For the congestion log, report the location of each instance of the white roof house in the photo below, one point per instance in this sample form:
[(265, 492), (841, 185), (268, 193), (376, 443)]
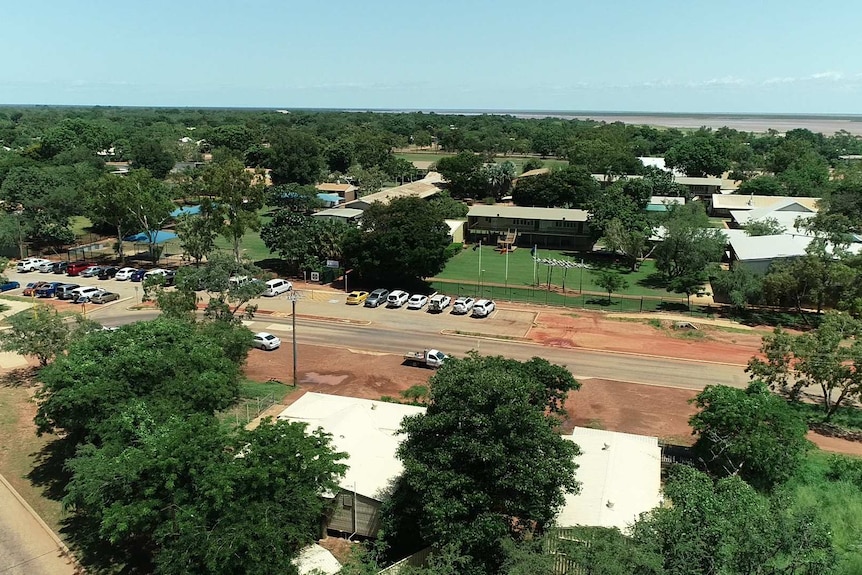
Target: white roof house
[(620, 475), (730, 202), (527, 213), (786, 212), (366, 430)]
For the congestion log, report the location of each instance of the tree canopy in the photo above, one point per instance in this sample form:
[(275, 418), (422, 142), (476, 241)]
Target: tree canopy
[(401, 241), (473, 476)]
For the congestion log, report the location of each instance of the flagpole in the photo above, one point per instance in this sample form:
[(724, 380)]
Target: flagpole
[(507, 269), (535, 257), (480, 268)]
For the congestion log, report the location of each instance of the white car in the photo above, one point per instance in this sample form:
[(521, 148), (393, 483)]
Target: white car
[(277, 286), (483, 308), (397, 298), (266, 341), (463, 305), (156, 272), (125, 274), (84, 293), (417, 301), (439, 302), (31, 264)]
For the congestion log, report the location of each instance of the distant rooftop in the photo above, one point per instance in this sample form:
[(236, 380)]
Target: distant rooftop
[(527, 213)]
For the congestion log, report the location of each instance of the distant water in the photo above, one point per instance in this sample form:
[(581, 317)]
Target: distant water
[(825, 123)]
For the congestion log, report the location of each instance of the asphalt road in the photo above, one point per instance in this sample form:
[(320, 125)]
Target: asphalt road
[(583, 364)]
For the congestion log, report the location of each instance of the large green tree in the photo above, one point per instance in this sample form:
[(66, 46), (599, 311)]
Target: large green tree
[(295, 157), (472, 477), (699, 154), (570, 187), (828, 358), (189, 496), (400, 241), (42, 333), (750, 432), (168, 362), (236, 199), (305, 242), (728, 527), (464, 175), (688, 246)]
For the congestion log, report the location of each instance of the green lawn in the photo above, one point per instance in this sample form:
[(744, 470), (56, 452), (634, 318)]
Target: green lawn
[(251, 244), (517, 160), (465, 267)]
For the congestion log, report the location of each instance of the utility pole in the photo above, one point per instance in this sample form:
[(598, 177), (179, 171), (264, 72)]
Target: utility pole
[(293, 297)]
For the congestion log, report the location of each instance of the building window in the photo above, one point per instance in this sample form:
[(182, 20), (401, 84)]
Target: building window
[(568, 225), (519, 222)]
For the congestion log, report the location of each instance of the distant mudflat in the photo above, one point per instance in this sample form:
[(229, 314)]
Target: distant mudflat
[(746, 123)]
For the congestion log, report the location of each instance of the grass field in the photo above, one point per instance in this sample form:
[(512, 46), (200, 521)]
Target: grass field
[(517, 160), (251, 244), (465, 267)]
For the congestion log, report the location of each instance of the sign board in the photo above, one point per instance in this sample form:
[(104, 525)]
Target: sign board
[(332, 264), (315, 276)]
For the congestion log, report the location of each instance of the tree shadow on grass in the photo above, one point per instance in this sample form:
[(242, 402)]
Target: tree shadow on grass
[(49, 470), (672, 306), (21, 377), (603, 302), (653, 281)]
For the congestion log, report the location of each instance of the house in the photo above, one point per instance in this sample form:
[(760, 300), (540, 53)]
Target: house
[(427, 187), (700, 187), (786, 212), (662, 203), (422, 166), (456, 231), (347, 215), (347, 192), (757, 253), (722, 204), (367, 431), (620, 475), (546, 227)]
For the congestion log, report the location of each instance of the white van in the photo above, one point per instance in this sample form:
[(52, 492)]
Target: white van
[(277, 286), (84, 293)]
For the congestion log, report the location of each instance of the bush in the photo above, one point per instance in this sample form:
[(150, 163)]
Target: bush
[(453, 249)]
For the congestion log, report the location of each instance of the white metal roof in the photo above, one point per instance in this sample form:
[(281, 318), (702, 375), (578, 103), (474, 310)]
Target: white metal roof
[(364, 429), (750, 201), (521, 212), (753, 248), (348, 213), (620, 477), (454, 225), (315, 560)]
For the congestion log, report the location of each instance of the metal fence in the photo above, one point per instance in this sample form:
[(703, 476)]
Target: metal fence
[(569, 298)]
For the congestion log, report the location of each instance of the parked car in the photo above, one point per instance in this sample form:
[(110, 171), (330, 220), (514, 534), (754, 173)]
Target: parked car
[(357, 297), (83, 294), (92, 271), (276, 286), (59, 267), (124, 274), (377, 297), (397, 298), (138, 275), (417, 301), (65, 291), (46, 267), (31, 289), (75, 268), (266, 341), (9, 286), (463, 305), (31, 264), (438, 302), (167, 276), (104, 297), (483, 308), (108, 272), (48, 290)]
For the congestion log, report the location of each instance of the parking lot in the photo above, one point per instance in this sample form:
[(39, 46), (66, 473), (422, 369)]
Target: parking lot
[(321, 302)]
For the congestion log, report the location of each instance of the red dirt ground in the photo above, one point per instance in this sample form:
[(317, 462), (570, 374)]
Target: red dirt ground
[(596, 331), (662, 412)]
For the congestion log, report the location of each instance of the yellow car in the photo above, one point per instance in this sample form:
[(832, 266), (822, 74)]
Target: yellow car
[(357, 297)]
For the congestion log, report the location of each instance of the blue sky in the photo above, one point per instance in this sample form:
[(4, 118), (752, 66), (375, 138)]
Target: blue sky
[(755, 56)]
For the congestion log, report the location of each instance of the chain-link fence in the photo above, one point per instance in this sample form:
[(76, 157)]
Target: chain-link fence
[(571, 299)]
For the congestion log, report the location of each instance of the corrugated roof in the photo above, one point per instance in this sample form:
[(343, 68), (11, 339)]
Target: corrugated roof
[(695, 181), (424, 188), (753, 248), (750, 202), (454, 225), (536, 172), (339, 213), (364, 429), (330, 187), (620, 477), (521, 212)]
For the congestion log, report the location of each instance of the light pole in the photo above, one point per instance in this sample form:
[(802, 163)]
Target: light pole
[(293, 297)]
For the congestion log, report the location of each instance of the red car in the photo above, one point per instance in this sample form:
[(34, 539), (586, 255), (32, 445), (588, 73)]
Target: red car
[(75, 268)]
